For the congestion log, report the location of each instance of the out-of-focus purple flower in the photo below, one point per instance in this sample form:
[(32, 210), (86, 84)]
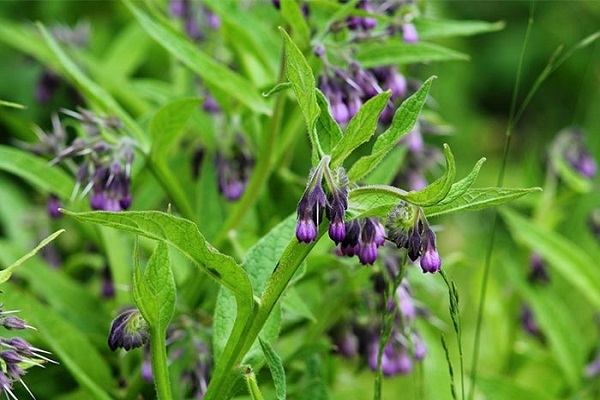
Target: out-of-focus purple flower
[(396, 359), (409, 33), (569, 145), (538, 271), (47, 85), (592, 369), (233, 172), (529, 323)]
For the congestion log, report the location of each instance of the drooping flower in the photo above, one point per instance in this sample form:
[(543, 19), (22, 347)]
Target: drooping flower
[(128, 330)]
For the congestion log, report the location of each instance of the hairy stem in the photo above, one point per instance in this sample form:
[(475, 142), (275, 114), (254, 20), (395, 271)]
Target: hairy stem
[(160, 369)]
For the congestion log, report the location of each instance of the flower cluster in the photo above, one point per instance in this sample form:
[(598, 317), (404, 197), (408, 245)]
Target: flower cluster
[(408, 228), (347, 90), (101, 168), (404, 345), (128, 330), (314, 202), (363, 238), (16, 355)]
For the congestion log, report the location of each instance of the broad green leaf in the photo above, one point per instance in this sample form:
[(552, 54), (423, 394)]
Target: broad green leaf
[(404, 120), (223, 321), (302, 79), (276, 367), (564, 256), (68, 345), (459, 188), (504, 389), (93, 91), (477, 199), (436, 192), (154, 289), (36, 171), (291, 12), (277, 88), (4, 103), (7, 272), (167, 124), (327, 130), (556, 322), (396, 52), (201, 63), (360, 128), (184, 236), (431, 28)]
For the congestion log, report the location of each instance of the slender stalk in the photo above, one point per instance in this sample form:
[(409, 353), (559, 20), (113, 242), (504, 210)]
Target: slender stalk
[(488, 258), (160, 369)]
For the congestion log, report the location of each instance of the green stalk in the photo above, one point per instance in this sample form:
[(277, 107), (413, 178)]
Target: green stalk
[(255, 393), (160, 369), (488, 258)]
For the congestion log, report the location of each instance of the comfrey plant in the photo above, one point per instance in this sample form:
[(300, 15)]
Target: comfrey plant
[(207, 331)]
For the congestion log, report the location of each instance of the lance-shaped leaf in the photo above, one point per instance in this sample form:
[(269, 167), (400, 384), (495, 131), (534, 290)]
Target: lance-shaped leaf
[(438, 190), (360, 128), (477, 199), (154, 289), (436, 28), (327, 130), (201, 63), (378, 200), (302, 79), (276, 367), (404, 120), (459, 188)]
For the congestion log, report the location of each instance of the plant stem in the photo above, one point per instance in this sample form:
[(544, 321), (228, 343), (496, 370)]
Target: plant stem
[(160, 370)]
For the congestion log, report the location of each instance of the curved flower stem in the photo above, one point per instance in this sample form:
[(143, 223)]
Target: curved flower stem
[(158, 359), (261, 172)]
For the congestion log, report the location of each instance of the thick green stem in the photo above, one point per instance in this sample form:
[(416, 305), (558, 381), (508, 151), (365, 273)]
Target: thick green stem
[(160, 369)]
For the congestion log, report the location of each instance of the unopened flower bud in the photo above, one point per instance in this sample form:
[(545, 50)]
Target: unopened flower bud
[(128, 330)]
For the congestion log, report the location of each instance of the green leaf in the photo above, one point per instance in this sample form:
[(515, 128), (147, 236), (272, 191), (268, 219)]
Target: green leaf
[(378, 200), (438, 190), (564, 256), (181, 234), (433, 29), (291, 12), (7, 272), (36, 171), (68, 345), (328, 131), (477, 199), (302, 79), (223, 321), (396, 52), (404, 120), (4, 103), (94, 92), (388, 168), (360, 128), (201, 63), (154, 289), (167, 124), (276, 367), (315, 387), (459, 188)]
